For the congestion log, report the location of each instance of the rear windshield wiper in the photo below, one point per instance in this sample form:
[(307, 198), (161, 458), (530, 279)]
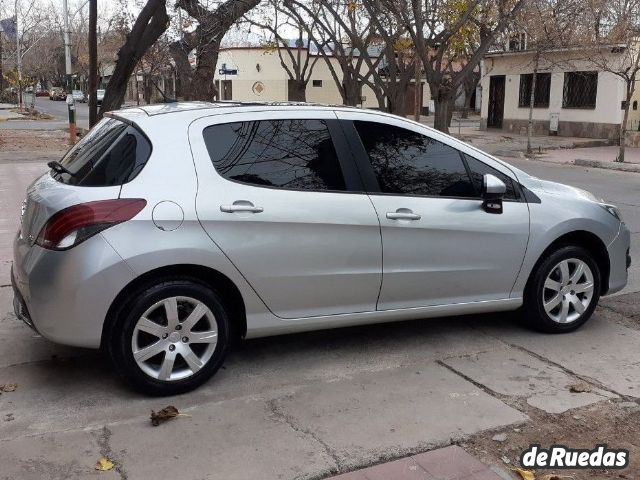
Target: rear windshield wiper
[(59, 168)]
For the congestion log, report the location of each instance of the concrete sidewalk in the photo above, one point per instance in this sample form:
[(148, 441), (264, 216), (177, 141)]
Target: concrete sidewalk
[(451, 463), (507, 144), (584, 152)]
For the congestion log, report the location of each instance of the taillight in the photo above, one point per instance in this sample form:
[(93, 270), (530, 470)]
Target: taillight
[(75, 224)]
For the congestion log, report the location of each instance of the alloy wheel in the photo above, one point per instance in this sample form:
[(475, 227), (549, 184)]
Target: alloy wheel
[(174, 338), (568, 290)]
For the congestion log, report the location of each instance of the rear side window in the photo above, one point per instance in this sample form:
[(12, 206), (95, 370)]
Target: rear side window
[(478, 169), (112, 153), (290, 154), (409, 163)]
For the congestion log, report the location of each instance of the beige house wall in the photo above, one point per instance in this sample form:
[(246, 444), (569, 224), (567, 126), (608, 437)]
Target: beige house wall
[(602, 121), (261, 65)]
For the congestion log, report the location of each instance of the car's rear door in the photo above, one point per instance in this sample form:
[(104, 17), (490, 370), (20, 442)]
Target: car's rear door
[(279, 193), (439, 245)]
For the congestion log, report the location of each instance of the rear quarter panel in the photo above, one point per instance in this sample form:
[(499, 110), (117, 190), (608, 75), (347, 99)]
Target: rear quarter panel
[(170, 176)]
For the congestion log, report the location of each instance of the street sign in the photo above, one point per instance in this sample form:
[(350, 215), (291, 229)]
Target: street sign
[(227, 71)]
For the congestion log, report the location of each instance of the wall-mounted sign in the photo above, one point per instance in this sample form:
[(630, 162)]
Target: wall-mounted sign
[(258, 88)]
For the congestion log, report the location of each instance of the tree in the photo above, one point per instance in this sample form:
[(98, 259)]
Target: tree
[(438, 29), (93, 62), (548, 25), (388, 53), (615, 49), (325, 29), (151, 23), (197, 83), (294, 56)]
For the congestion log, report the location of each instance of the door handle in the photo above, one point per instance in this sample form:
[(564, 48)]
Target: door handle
[(241, 206), (403, 214)]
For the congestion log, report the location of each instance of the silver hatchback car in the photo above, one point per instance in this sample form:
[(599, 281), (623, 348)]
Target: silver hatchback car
[(170, 230)]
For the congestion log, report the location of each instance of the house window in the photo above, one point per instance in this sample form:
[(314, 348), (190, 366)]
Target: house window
[(580, 89), (541, 96), (635, 104), (317, 83)]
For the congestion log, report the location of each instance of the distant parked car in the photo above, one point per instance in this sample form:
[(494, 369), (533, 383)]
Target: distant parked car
[(78, 96), (57, 93), (100, 96), (42, 93)]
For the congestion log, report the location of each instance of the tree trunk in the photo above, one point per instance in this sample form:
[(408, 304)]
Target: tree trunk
[(202, 87), (381, 98), (180, 54), (297, 91), (532, 102), (625, 119), (467, 104), (443, 105), (397, 104), (351, 95), (148, 27)]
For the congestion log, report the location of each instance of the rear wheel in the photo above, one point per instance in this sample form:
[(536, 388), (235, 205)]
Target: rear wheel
[(170, 337), (563, 291)]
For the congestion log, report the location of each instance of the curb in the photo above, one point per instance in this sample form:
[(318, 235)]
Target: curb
[(622, 167)]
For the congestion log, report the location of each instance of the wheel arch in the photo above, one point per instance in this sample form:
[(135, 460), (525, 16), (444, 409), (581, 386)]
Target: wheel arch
[(206, 275), (590, 242)]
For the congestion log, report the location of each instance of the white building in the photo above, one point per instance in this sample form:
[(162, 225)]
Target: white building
[(259, 76), (573, 96)]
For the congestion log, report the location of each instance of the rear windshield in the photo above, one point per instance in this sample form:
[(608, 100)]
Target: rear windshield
[(112, 153)]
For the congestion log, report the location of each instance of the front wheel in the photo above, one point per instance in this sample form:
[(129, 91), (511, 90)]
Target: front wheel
[(170, 337), (563, 291)]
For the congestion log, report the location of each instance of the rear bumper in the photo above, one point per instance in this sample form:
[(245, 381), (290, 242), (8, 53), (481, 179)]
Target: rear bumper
[(20, 307), (619, 260), (65, 295)]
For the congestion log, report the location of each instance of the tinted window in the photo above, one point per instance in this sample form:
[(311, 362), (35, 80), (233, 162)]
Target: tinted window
[(479, 169), (409, 163), (112, 153), (291, 154)]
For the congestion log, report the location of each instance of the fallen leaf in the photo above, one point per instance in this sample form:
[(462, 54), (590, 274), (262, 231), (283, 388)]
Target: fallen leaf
[(553, 476), (8, 387), (525, 474), (580, 388), (166, 413), (104, 464)]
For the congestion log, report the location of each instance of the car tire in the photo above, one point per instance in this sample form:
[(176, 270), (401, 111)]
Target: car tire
[(192, 362), (563, 290)]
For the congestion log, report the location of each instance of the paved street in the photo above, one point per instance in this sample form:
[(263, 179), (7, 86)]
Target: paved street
[(58, 110), (312, 405)]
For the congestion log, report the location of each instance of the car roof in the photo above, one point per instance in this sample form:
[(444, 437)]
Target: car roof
[(175, 107), (189, 111)]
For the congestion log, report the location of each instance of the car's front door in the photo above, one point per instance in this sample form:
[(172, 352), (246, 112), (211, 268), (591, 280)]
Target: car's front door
[(279, 194), (439, 246)]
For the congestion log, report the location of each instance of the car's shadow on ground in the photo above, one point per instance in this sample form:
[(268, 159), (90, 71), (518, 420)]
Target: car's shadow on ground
[(285, 360)]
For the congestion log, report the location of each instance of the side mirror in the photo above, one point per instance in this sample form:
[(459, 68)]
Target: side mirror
[(493, 190)]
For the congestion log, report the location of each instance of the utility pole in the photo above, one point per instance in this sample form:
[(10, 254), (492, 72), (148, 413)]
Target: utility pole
[(67, 63), (93, 62), (18, 56)]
